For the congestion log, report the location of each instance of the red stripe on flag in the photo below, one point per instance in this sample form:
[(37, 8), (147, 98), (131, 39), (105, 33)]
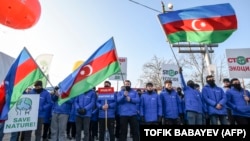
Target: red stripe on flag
[(2, 96), (24, 69), (96, 65), (203, 24)]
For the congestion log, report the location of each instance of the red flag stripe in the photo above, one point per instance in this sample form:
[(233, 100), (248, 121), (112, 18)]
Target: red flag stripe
[(98, 64), (24, 69), (211, 24)]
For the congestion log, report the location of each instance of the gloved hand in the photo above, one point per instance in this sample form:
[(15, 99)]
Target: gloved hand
[(142, 119), (180, 69), (81, 111)]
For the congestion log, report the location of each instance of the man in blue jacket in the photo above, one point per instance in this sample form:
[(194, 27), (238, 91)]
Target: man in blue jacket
[(128, 100), (106, 107), (171, 105), (238, 102), (150, 106), (44, 103), (193, 101), (84, 105), (60, 115), (215, 100)]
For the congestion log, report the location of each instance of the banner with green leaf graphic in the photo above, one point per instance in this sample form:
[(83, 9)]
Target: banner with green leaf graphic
[(238, 61), (170, 72), (23, 115)]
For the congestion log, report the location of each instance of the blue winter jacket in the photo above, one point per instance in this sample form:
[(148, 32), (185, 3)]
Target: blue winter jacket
[(72, 115), (86, 101), (128, 108), (64, 108), (213, 96), (193, 99), (171, 105), (235, 101), (44, 103), (111, 107), (48, 114), (150, 107)]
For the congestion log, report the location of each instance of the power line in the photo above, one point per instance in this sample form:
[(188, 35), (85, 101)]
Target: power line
[(145, 6)]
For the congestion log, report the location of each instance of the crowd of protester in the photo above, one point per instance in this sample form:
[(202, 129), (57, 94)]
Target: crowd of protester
[(90, 118)]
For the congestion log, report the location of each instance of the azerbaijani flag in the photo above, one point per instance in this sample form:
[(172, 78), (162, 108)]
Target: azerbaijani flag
[(101, 64), (203, 24), (23, 73)]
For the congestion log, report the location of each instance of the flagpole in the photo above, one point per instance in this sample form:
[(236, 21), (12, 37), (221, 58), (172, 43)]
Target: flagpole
[(170, 6), (39, 67), (119, 63), (244, 89)]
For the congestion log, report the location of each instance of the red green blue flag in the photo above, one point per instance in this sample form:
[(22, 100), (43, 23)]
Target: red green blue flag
[(203, 24), (22, 74), (102, 64)]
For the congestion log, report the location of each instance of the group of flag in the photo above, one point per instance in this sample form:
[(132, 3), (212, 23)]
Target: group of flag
[(25, 71), (203, 24)]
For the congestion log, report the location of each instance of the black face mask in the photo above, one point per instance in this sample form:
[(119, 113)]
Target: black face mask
[(169, 91), (237, 86), (179, 92), (211, 83), (38, 90), (127, 88), (150, 91)]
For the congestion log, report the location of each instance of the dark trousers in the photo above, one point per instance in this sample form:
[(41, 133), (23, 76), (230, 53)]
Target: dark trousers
[(46, 130), (93, 129), (133, 122), (110, 127), (241, 120), (230, 117), (117, 126), (26, 135), (71, 129), (170, 121), (82, 123)]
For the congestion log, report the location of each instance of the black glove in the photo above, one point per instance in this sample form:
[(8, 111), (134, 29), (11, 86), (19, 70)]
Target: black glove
[(81, 111), (159, 119), (180, 69), (142, 119)]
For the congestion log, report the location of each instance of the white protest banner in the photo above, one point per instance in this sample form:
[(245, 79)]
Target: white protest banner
[(123, 74), (170, 72), (238, 61), (23, 115)]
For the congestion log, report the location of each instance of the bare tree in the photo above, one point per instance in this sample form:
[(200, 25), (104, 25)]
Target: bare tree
[(152, 71), (222, 68), (197, 67), (193, 64)]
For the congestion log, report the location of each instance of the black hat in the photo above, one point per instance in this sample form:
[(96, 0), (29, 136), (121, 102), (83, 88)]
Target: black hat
[(38, 83), (107, 82), (226, 80), (149, 84), (168, 81)]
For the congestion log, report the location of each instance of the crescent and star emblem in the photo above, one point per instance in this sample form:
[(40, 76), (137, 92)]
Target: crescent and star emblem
[(199, 23), (86, 70)]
